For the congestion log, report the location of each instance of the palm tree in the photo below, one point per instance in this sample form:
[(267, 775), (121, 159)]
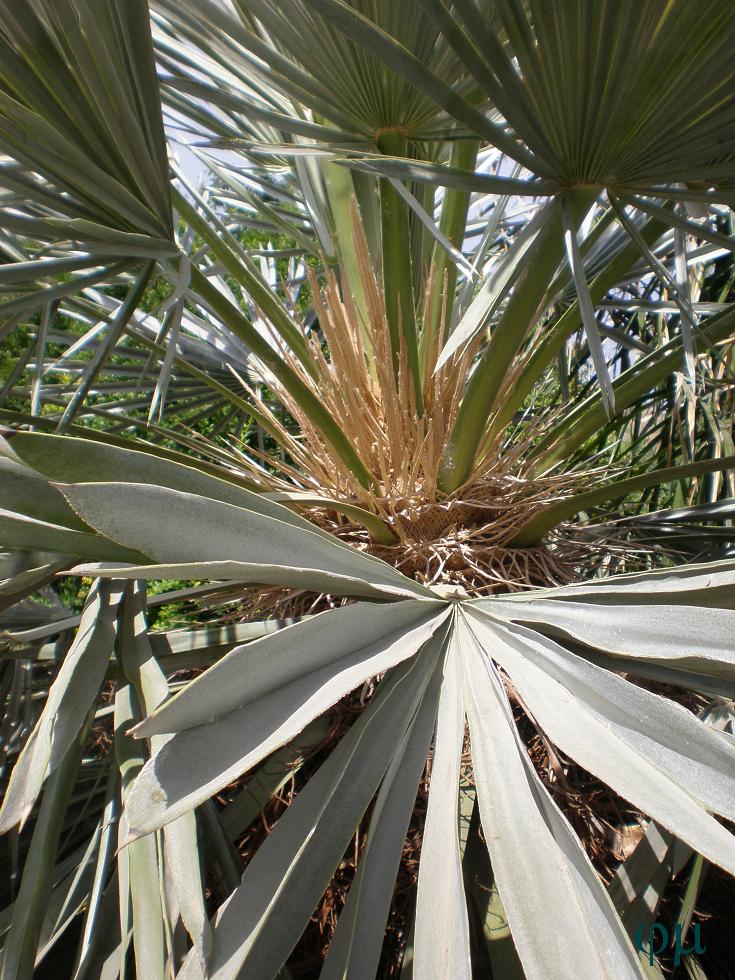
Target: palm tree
[(426, 387)]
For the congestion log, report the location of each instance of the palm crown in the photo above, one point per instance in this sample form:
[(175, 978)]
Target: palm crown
[(457, 284)]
